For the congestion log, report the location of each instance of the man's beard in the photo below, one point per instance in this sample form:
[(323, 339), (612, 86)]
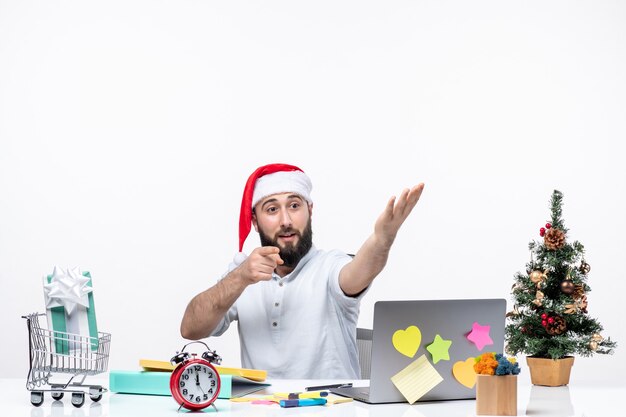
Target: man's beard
[(291, 254)]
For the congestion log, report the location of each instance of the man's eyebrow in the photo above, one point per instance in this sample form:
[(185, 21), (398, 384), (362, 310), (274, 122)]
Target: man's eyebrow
[(271, 200), (274, 200), (298, 196)]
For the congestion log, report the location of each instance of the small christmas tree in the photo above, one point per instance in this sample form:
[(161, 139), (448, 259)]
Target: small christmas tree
[(550, 317)]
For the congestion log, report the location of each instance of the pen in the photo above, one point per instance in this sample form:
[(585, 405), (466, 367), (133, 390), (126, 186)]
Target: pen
[(296, 395), (309, 394), (305, 402), (321, 387)]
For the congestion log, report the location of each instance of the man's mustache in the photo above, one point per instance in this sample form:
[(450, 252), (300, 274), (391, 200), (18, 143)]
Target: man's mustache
[(288, 231)]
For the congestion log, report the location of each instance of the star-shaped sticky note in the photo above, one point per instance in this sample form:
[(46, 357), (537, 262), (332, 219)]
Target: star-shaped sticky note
[(439, 349), (480, 335)]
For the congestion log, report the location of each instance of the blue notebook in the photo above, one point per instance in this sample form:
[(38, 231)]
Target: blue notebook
[(158, 383)]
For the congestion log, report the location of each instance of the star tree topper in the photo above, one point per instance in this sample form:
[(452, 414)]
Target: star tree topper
[(67, 288)]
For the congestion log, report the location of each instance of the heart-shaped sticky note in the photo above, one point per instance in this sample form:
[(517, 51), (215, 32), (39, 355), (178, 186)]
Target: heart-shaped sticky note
[(407, 341), (464, 372)]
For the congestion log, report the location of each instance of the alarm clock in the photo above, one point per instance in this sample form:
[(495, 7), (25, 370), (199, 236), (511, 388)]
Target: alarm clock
[(195, 382)]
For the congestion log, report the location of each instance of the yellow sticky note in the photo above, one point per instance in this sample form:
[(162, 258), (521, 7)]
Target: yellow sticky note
[(336, 399), (416, 379), (156, 366), (162, 366), (464, 372), (407, 341)]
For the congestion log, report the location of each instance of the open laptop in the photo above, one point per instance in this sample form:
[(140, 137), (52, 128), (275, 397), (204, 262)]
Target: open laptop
[(453, 320)]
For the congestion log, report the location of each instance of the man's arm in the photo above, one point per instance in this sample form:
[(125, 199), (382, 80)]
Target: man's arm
[(206, 309), (372, 256)]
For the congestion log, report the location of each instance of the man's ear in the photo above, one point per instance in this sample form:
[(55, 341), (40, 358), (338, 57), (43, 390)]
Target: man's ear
[(310, 209), (254, 222)]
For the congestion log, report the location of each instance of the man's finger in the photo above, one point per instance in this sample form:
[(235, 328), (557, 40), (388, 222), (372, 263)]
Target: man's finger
[(272, 260), (278, 259), (265, 269), (415, 194), (268, 250), (389, 208), (410, 199), (269, 258), (268, 262), (417, 190), (402, 200)]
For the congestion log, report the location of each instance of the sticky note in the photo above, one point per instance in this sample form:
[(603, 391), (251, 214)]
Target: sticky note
[(336, 399), (439, 349), (416, 379), (463, 372), (252, 399), (480, 335), (407, 341)]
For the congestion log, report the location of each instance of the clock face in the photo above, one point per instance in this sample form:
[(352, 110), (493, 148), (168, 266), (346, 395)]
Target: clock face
[(197, 384)]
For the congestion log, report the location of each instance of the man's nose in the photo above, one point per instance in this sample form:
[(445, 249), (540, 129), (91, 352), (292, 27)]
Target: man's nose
[(285, 219)]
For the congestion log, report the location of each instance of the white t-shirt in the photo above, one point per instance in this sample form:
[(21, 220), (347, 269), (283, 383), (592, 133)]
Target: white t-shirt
[(301, 326)]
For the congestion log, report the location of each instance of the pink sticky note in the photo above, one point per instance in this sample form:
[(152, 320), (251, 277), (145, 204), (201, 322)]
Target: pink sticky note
[(480, 335), (263, 402)]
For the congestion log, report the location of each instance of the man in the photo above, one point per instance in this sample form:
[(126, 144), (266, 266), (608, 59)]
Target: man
[(297, 306)]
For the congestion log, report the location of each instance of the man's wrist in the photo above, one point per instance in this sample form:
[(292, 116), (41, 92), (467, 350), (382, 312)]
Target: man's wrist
[(382, 243), (238, 278)]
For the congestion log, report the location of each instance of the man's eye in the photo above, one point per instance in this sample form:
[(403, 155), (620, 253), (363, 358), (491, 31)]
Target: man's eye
[(295, 205), (271, 210)]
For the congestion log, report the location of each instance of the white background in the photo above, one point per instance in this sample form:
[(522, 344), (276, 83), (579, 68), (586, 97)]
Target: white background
[(128, 128)]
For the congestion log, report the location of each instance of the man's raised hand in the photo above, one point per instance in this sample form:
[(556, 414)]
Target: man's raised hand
[(395, 214), (261, 263)]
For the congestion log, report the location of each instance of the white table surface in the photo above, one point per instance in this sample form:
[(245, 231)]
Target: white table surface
[(575, 400)]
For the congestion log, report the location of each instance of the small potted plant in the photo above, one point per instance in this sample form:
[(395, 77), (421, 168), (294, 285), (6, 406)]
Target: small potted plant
[(496, 385), (550, 320)]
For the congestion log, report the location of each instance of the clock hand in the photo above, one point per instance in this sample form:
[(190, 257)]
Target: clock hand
[(198, 382)]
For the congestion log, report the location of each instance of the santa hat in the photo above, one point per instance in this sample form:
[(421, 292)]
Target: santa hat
[(265, 181)]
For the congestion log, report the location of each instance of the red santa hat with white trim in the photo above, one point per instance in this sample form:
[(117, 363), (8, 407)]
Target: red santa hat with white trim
[(265, 181)]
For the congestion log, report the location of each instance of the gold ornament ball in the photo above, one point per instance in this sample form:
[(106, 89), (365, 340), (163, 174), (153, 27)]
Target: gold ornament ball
[(597, 337), (585, 268), (567, 287), (538, 278)]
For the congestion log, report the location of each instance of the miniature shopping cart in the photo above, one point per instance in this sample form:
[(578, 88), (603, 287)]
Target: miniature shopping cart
[(53, 352)]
